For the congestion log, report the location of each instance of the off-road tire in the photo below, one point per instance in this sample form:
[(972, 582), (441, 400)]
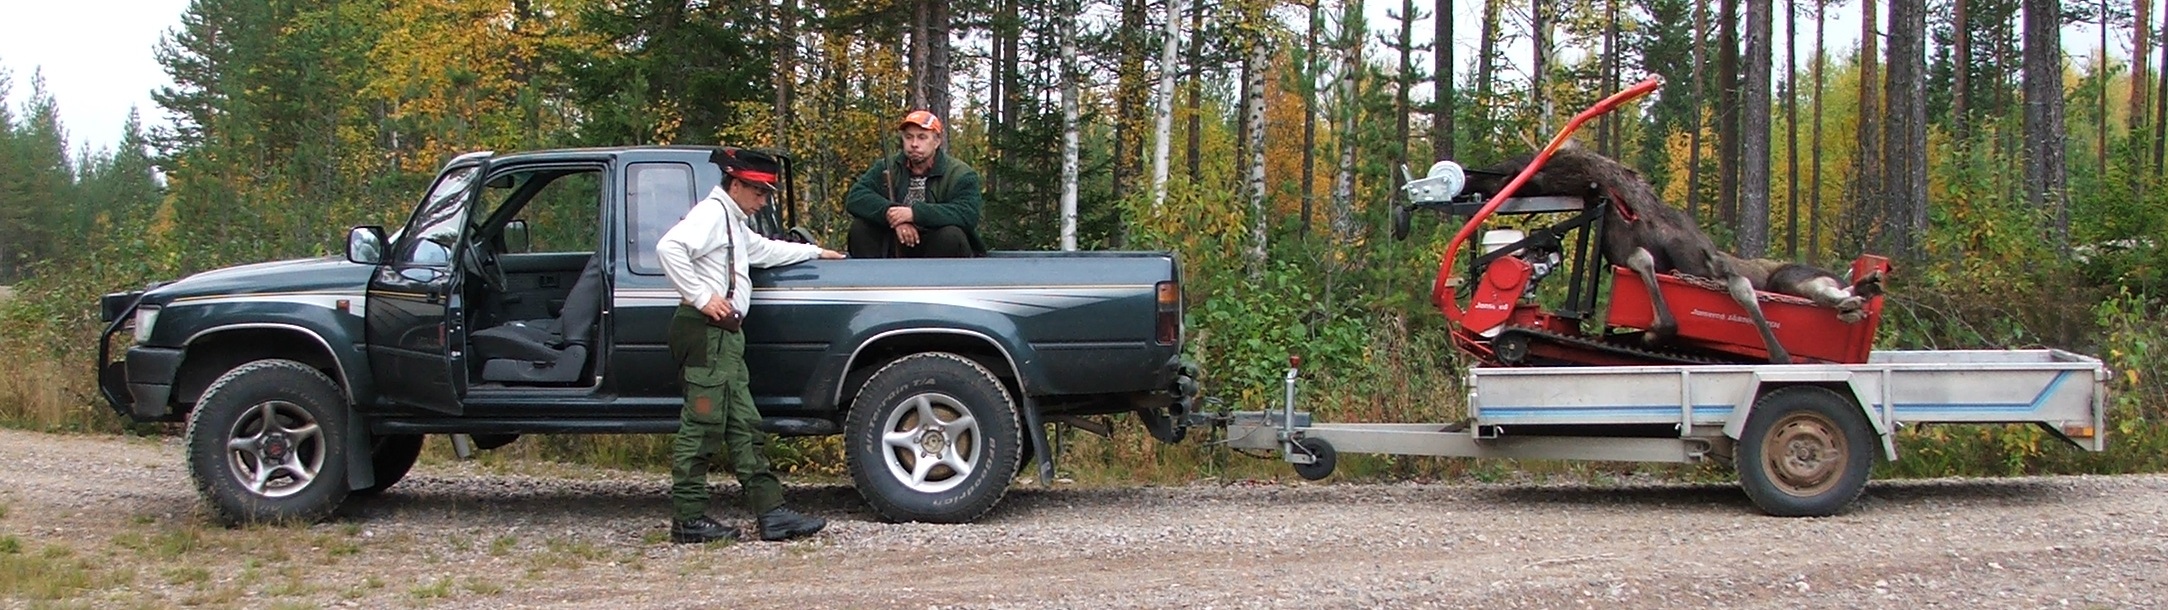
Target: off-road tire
[(243, 400), (951, 386)]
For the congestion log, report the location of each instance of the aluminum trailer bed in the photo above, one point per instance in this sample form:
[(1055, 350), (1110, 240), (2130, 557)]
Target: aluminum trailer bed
[(1803, 436)]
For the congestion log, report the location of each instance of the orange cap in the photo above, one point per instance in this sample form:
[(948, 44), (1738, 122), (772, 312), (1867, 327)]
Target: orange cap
[(924, 119)]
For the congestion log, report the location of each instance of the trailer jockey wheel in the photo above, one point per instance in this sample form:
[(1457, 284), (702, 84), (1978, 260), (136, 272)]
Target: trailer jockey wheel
[(1510, 348), (1322, 458)]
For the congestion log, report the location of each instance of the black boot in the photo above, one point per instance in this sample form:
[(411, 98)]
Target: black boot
[(701, 529), (783, 524)]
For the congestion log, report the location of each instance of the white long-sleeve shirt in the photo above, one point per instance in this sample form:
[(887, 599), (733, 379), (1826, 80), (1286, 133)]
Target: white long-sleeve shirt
[(697, 252)]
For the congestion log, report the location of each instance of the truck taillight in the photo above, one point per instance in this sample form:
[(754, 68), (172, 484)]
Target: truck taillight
[(1169, 314)]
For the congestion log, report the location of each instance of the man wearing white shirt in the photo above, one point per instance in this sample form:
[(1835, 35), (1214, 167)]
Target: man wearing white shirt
[(707, 256)]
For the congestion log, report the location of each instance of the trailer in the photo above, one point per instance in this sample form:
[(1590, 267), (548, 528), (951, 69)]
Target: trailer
[(1801, 436)]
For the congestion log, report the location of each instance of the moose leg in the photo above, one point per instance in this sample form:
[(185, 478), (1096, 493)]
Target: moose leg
[(1644, 265), (1743, 292)]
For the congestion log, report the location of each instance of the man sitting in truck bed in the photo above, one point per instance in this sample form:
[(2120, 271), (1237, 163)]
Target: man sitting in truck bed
[(921, 203)]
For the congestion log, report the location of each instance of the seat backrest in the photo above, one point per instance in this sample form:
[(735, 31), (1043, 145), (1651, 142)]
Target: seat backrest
[(584, 304)]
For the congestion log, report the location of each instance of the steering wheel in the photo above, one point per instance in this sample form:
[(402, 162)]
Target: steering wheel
[(486, 266)]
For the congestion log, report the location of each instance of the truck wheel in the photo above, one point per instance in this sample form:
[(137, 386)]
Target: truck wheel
[(933, 438), (266, 444), (392, 455), (1805, 452)]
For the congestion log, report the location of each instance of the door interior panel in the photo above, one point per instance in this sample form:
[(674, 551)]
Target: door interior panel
[(536, 284)]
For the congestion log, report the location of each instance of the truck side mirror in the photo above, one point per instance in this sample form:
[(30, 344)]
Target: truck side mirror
[(515, 238), (365, 245)]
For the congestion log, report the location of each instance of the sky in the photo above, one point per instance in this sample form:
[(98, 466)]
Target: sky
[(96, 55)]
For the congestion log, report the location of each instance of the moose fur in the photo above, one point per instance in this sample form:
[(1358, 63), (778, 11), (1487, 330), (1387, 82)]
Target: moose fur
[(1640, 232), (1812, 283)]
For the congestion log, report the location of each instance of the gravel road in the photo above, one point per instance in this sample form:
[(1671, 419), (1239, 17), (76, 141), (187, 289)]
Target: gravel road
[(469, 535)]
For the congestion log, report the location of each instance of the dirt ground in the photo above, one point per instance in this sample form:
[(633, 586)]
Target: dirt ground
[(97, 521)]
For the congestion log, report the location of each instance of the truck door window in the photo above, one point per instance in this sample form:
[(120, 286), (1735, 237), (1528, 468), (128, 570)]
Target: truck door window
[(433, 234), (656, 196), (562, 210)]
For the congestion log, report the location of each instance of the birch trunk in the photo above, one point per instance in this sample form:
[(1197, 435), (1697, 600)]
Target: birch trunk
[(1254, 166), (1069, 136), (1163, 127)]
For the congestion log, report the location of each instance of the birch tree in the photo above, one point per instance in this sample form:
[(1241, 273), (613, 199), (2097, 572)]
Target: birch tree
[(1163, 127), (1253, 104), (1069, 127), (1351, 65)]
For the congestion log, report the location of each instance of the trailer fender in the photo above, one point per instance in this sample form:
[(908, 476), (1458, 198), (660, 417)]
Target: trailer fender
[(1767, 380)]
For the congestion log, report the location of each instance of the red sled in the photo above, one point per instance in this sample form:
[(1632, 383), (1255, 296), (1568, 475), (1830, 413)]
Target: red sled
[(1709, 319)]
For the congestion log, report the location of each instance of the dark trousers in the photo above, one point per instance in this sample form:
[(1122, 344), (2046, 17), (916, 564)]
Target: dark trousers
[(718, 422), (874, 240)]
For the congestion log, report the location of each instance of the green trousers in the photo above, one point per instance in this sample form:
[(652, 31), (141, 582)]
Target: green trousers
[(718, 415)]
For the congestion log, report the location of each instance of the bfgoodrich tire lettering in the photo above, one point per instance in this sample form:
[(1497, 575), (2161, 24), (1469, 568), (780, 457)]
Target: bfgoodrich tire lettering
[(933, 437), (267, 444)]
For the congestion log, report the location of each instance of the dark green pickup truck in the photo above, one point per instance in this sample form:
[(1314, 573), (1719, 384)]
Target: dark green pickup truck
[(523, 296)]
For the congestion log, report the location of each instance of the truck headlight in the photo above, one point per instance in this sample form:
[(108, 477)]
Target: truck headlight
[(144, 318)]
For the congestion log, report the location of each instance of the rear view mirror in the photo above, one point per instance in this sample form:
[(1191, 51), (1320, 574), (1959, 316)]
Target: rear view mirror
[(365, 245), (515, 237)]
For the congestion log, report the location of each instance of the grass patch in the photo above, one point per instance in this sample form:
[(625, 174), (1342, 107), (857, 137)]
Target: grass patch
[(187, 575), (440, 589), (3, 510), (54, 573), (482, 587), (502, 546), (567, 554), (294, 605), (338, 546), (222, 596), (10, 545), (293, 582), (367, 584)]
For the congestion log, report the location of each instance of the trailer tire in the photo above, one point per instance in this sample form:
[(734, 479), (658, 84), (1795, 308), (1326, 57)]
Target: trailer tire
[(1323, 458), (938, 403), (267, 444), (1805, 452)]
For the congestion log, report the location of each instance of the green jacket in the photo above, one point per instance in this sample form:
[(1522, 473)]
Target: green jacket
[(952, 195)]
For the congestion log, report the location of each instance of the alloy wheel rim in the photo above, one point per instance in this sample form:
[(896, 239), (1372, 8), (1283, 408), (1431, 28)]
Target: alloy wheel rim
[(275, 449), (931, 443)]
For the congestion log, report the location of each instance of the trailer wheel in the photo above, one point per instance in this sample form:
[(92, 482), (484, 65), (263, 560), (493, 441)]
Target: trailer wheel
[(1805, 452), (1322, 458), (933, 437)]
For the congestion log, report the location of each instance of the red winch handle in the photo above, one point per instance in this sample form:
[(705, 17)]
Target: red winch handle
[(1438, 291)]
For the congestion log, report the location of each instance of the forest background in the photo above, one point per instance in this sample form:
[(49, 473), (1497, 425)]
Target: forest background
[(2020, 187)]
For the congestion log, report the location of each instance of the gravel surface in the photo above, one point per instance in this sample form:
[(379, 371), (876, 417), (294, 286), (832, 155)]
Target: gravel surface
[(470, 535)]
